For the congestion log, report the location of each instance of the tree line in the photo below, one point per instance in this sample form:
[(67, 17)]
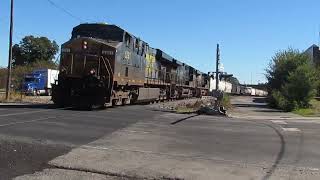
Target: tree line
[(29, 54)]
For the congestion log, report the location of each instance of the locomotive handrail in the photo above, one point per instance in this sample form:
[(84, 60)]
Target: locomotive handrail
[(109, 65), (109, 77)]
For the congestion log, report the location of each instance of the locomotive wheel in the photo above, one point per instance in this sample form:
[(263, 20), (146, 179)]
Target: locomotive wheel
[(90, 107), (119, 102), (116, 102), (126, 101)]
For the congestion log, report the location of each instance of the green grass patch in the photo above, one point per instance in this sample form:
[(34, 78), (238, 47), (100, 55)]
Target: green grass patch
[(313, 111), (226, 103), (14, 97), (185, 110), (305, 112), (190, 107)]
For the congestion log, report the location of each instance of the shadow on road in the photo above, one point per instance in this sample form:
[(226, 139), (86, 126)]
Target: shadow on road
[(259, 100), (268, 110), (42, 141), (28, 106), (47, 106), (251, 105), (183, 119)]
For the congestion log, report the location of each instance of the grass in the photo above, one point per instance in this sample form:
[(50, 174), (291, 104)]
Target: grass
[(188, 108), (14, 97), (313, 111), (185, 110), (226, 101), (195, 106)]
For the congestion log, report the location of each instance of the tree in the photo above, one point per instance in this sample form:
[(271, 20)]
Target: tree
[(19, 72), (33, 49), (3, 77), (291, 80), (233, 80), (318, 76)]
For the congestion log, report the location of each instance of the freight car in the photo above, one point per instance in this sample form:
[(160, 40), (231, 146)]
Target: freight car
[(236, 89), (104, 65), (247, 91)]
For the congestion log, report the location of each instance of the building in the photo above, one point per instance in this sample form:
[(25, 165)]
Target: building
[(314, 53)]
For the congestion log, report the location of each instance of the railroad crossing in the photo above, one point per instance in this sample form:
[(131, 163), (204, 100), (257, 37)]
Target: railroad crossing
[(137, 142)]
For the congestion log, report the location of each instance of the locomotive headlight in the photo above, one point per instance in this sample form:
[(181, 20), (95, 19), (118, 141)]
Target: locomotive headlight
[(85, 45)]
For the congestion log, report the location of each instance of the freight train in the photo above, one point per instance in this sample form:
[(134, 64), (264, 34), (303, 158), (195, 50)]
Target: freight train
[(236, 89), (105, 65)]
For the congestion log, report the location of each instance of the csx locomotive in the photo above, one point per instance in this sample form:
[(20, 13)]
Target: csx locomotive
[(104, 65)]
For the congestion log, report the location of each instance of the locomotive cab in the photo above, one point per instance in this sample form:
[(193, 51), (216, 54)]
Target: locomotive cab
[(86, 73)]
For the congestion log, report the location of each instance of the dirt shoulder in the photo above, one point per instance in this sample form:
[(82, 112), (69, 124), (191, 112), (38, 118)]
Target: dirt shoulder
[(27, 99)]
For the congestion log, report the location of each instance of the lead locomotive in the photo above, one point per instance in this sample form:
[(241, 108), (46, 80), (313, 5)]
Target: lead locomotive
[(104, 65)]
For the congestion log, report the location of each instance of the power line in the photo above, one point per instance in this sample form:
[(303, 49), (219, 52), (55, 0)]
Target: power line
[(64, 10)]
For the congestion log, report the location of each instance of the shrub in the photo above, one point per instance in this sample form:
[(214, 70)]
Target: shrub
[(292, 80), (226, 101), (318, 84), (3, 77), (280, 101), (301, 86)]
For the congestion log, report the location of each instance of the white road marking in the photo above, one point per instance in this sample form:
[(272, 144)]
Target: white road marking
[(313, 169), (23, 122), (315, 121), (143, 132), (279, 122), (308, 168), (31, 112), (291, 129)]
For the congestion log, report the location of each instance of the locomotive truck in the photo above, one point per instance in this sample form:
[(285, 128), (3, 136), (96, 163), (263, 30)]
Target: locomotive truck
[(104, 65)]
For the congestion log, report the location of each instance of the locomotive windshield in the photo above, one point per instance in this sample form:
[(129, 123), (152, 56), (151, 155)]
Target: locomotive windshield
[(100, 31), (81, 65)]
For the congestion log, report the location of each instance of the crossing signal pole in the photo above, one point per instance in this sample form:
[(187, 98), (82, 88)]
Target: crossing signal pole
[(220, 75), (217, 67), (10, 54)]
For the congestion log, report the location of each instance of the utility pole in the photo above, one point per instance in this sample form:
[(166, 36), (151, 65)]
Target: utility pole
[(217, 67), (10, 54)]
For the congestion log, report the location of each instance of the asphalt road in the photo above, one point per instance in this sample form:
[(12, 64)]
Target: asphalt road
[(258, 143), (30, 136)]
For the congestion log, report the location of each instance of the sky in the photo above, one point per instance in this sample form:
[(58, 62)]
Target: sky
[(249, 32)]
